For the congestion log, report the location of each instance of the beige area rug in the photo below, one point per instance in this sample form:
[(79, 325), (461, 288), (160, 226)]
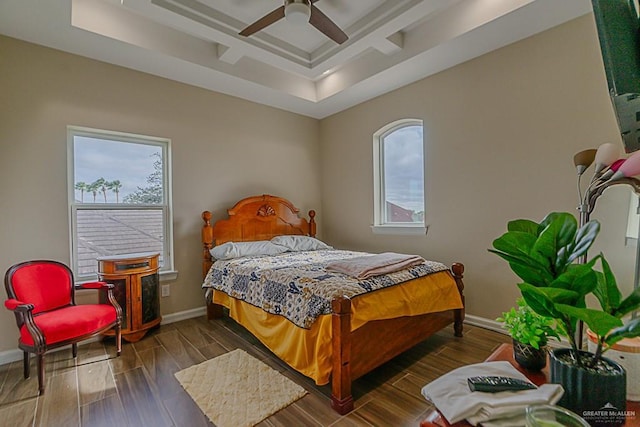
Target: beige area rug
[(235, 389)]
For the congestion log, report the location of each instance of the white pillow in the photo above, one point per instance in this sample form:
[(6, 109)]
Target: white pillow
[(300, 243), (232, 250)]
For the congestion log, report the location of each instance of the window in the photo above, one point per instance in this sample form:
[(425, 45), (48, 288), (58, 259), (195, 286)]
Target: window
[(119, 197), (399, 178)]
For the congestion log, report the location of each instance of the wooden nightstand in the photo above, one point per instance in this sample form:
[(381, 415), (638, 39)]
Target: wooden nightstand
[(137, 283)]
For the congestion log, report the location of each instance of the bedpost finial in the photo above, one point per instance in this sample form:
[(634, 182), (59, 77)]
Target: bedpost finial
[(312, 223), (206, 216), (458, 269)]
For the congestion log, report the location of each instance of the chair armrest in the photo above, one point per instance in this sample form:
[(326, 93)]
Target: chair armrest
[(94, 285), (24, 315), (19, 306)]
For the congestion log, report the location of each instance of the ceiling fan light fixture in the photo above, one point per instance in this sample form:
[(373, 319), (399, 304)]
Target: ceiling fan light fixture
[(297, 13)]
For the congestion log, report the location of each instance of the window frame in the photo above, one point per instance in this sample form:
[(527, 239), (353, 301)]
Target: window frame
[(380, 225), (167, 271)]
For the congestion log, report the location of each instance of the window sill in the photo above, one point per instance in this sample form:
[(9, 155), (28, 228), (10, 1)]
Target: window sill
[(166, 276), (400, 230)]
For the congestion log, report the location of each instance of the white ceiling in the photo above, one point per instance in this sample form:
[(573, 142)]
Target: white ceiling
[(288, 66)]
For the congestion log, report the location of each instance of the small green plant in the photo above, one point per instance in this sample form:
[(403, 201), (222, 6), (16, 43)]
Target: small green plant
[(526, 326)]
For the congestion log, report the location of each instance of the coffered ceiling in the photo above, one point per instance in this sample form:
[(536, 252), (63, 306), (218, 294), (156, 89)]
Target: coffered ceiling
[(287, 65)]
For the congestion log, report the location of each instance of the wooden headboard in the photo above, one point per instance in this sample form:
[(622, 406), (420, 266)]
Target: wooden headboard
[(254, 218)]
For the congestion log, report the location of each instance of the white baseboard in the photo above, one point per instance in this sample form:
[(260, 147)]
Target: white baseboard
[(492, 325), (183, 315), (9, 356), (15, 355), (485, 323)]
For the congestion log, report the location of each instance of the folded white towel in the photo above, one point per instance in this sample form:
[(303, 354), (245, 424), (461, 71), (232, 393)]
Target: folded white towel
[(451, 396)]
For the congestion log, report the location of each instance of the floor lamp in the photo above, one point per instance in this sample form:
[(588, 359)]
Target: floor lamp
[(609, 170)]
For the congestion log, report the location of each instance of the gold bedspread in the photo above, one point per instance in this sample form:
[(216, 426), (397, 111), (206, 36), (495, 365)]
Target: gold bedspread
[(308, 351)]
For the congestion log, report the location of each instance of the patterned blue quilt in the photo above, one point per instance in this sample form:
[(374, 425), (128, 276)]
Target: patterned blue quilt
[(296, 284)]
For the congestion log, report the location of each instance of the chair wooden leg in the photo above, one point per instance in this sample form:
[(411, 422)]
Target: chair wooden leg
[(118, 340), (26, 365), (41, 373), (74, 350)]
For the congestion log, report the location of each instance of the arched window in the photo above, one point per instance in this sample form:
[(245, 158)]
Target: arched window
[(398, 158)]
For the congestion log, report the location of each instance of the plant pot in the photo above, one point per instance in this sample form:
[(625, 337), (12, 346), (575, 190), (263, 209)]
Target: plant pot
[(598, 397), (531, 358), (627, 353)]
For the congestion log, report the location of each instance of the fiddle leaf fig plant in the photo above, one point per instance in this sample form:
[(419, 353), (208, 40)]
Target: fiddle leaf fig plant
[(543, 255)]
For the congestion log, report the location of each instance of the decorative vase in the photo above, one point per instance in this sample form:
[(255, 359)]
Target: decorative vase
[(531, 358), (598, 397)]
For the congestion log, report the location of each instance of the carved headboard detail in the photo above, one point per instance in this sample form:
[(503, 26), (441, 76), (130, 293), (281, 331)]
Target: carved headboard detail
[(266, 210)]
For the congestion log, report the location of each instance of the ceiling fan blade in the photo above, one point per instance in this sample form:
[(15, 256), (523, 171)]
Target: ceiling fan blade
[(263, 22), (326, 25)]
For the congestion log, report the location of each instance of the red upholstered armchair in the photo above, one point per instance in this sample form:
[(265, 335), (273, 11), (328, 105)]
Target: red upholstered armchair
[(42, 297)]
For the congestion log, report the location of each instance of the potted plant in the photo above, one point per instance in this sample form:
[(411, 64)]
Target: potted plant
[(544, 256), (530, 333)]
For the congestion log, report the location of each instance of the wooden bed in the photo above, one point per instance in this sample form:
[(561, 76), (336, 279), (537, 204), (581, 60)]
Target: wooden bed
[(353, 353)]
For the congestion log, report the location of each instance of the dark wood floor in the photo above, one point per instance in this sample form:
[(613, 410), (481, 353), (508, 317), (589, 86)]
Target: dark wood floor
[(139, 389)]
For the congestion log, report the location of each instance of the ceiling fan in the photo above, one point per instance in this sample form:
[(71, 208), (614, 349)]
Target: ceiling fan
[(299, 11)]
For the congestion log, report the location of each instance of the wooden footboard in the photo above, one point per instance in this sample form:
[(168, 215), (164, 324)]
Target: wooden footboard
[(356, 353), (359, 352)]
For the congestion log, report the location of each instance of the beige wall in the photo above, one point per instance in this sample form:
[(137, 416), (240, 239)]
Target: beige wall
[(501, 131), (223, 149)]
